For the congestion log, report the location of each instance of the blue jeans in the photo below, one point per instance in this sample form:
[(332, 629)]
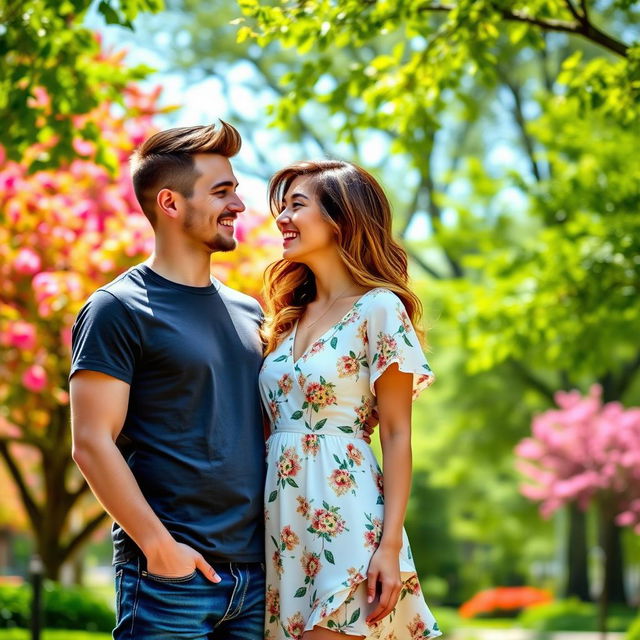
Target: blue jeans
[(150, 607)]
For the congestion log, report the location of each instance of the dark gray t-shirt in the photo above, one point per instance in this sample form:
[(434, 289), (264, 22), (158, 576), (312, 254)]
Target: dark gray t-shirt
[(193, 433)]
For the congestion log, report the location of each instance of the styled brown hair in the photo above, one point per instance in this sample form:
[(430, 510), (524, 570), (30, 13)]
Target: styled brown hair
[(165, 160), (357, 208)]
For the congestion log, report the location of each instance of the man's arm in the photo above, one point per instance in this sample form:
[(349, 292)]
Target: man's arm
[(98, 409)]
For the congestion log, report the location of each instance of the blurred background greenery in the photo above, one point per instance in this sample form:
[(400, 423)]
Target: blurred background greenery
[(507, 136)]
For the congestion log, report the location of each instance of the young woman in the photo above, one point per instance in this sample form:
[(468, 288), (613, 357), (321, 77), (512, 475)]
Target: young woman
[(340, 341)]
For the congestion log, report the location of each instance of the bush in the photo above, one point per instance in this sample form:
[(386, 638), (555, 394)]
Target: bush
[(53, 634), (64, 608), (573, 615), (15, 606), (634, 630)]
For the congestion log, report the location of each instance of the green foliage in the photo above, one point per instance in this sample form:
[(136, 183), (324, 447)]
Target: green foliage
[(411, 57), (52, 71), (64, 608), (574, 280), (634, 630), (15, 605), (610, 88), (573, 615), (434, 551), (448, 619), (53, 634)]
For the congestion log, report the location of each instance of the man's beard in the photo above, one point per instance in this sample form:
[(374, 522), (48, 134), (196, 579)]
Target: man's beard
[(219, 243)]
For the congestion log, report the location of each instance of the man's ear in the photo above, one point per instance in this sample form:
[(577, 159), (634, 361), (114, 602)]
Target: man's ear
[(166, 201)]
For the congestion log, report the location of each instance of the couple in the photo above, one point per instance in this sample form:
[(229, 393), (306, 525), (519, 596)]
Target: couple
[(168, 368)]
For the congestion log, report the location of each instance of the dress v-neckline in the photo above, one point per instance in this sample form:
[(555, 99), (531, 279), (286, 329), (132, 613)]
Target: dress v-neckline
[(294, 333)]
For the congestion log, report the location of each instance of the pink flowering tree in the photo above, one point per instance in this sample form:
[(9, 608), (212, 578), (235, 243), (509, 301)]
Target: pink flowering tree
[(586, 452), (63, 233)]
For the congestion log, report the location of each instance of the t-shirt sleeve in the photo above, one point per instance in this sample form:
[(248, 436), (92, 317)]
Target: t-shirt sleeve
[(104, 338), (391, 338)]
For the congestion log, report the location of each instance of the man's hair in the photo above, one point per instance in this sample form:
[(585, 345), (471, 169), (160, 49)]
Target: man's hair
[(165, 160)]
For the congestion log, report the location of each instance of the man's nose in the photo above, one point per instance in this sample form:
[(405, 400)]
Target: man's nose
[(238, 205)]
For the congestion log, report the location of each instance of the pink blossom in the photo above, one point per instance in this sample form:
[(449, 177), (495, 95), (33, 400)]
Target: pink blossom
[(583, 451), (35, 378), (46, 180), (83, 147), (27, 262), (65, 337), (39, 98), (22, 335), (45, 285)]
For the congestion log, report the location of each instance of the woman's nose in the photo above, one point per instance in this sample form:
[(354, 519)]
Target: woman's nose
[(283, 218)]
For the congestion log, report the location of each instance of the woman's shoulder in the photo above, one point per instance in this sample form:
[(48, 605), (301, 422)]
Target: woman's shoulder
[(382, 298)]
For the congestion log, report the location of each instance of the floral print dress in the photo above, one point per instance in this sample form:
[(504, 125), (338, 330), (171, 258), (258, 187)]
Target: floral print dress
[(324, 500)]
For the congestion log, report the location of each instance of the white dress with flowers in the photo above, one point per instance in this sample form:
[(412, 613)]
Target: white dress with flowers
[(324, 505)]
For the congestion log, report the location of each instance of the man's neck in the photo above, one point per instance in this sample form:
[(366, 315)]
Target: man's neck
[(192, 273)]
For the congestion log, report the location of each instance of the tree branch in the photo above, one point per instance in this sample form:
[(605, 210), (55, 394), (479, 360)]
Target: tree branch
[(518, 115), (422, 264), (626, 377), (544, 61), (27, 499), (79, 539), (428, 186), (573, 10), (273, 85), (582, 27), (585, 9), (413, 207), (74, 496), (532, 381)]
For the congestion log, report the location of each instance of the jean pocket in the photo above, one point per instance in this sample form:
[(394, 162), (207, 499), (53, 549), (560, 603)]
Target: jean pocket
[(169, 579)]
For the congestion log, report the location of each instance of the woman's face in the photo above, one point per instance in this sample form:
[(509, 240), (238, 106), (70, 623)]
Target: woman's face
[(305, 230)]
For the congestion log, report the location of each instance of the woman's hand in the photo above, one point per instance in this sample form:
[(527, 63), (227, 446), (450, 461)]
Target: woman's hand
[(384, 570), (370, 426)]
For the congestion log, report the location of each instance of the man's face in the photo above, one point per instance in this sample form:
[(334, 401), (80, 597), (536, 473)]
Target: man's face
[(212, 209)]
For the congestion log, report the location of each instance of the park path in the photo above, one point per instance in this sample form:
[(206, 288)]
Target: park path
[(521, 634)]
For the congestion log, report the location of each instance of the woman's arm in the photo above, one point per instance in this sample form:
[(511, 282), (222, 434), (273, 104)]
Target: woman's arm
[(393, 391)]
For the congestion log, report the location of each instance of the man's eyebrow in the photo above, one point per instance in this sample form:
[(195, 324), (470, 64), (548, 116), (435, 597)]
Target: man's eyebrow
[(224, 183)]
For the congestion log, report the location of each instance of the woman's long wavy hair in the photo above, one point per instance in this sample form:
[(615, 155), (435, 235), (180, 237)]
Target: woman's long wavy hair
[(358, 210)]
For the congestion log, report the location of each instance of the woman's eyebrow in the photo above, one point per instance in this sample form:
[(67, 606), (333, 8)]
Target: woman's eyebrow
[(295, 195)]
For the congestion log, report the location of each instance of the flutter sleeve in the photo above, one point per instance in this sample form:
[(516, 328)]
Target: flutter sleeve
[(392, 338)]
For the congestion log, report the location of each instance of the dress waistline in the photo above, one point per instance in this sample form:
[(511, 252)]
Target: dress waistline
[(347, 436)]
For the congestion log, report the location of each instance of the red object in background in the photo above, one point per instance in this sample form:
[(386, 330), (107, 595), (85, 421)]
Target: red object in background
[(503, 600)]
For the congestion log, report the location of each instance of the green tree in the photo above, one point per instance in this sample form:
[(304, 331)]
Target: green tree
[(532, 290), (45, 50)]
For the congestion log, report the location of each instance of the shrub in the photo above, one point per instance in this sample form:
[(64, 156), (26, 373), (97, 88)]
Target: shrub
[(503, 601), (574, 615), (15, 606), (634, 630), (64, 608)]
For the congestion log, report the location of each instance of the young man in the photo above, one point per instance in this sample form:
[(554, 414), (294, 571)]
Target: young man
[(165, 409)]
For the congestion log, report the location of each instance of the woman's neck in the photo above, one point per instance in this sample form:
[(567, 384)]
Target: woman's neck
[(333, 281)]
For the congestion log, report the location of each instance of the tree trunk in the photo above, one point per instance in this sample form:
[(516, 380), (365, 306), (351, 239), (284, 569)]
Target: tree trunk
[(577, 584), (611, 544), (58, 494), (612, 588)]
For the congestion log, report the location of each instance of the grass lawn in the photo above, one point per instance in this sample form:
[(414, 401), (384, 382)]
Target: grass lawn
[(53, 634)]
